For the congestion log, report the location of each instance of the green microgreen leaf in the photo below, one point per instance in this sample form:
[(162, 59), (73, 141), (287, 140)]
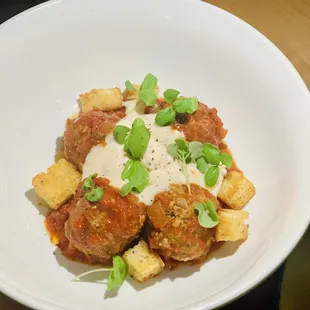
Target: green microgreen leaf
[(180, 150), (127, 172), (94, 195), (195, 147), (171, 95), (120, 133), (172, 149), (148, 96), (137, 141), (149, 82), (126, 189), (129, 85), (181, 144), (212, 154), (207, 216), (117, 276), (137, 175), (226, 160), (165, 117), (212, 176), (186, 105), (88, 182), (201, 164)]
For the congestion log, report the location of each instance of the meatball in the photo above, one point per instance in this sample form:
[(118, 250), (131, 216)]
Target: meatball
[(55, 224), (105, 228), (177, 234), (204, 126), (89, 129)]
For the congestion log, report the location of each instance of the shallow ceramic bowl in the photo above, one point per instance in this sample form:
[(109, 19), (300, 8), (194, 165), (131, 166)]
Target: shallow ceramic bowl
[(54, 52)]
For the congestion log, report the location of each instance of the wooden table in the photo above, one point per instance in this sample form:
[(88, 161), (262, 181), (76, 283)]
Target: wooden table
[(287, 24)]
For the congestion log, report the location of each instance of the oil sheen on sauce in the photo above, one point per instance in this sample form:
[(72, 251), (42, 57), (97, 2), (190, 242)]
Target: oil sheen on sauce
[(109, 160)]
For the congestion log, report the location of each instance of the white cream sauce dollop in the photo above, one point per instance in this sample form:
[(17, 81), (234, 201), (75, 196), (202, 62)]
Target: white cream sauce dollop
[(109, 160)]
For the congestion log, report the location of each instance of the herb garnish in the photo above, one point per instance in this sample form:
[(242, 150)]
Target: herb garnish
[(117, 276), (137, 175), (95, 193), (207, 216), (147, 91)]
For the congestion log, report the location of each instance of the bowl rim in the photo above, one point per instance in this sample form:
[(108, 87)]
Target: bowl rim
[(40, 304)]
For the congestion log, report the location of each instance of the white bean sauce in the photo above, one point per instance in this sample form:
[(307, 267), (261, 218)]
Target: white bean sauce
[(108, 161)]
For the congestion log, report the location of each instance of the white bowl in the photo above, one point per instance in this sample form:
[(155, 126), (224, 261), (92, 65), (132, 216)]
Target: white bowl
[(52, 53)]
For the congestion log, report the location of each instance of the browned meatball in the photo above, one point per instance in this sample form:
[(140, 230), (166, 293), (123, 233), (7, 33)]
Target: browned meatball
[(204, 126), (87, 130), (107, 227), (177, 233)]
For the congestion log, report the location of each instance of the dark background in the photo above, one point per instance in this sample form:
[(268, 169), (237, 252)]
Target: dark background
[(264, 297)]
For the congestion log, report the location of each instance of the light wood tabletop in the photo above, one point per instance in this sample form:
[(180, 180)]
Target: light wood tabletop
[(284, 22)]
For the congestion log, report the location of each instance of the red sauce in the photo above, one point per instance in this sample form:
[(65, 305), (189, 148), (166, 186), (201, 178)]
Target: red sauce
[(101, 229), (116, 213)]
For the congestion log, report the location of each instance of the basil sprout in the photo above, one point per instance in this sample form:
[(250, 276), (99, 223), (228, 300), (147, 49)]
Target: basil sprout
[(212, 154), (149, 82), (129, 85), (172, 150), (207, 216), (138, 139), (165, 117), (186, 105), (182, 144), (212, 176), (120, 133), (180, 150), (127, 171), (88, 182), (94, 195), (137, 175), (195, 147), (117, 276), (148, 96), (118, 273), (171, 95), (201, 164), (226, 160)]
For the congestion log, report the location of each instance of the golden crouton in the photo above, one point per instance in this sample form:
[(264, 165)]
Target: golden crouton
[(143, 263), (58, 184), (232, 226), (130, 94), (236, 190), (103, 99)]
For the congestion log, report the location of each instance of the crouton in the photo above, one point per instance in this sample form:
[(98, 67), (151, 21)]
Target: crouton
[(143, 263), (58, 184), (236, 190), (232, 226), (130, 94), (103, 99)]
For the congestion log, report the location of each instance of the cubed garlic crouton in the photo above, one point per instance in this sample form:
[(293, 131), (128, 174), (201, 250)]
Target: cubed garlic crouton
[(236, 190), (103, 99), (143, 263), (58, 184), (130, 94), (232, 225)]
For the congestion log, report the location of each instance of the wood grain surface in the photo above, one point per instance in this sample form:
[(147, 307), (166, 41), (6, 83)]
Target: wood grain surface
[(285, 22)]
